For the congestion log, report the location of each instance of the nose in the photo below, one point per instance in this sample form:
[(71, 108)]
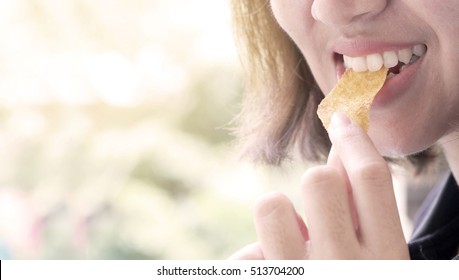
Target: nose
[(345, 12)]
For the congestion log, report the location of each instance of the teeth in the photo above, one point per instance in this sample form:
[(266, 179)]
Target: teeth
[(347, 61), (359, 64), (413, 58), (405, 55), (419, 50), (390, 59), (374, 62)]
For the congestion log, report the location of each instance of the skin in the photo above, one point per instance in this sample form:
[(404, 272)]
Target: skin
[(349, 203)]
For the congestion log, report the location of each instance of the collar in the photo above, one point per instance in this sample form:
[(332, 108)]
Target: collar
[(436, 227)]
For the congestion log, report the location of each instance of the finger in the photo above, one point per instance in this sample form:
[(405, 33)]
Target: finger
[(277, 227), (328, 214), (371, 182), (335, 161), (250, 252), (302, 226)]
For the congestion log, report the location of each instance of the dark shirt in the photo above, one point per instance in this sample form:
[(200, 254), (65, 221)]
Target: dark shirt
[(436, 227)]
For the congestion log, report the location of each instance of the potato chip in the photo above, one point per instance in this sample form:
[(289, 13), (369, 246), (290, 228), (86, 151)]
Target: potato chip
[(353, 96)]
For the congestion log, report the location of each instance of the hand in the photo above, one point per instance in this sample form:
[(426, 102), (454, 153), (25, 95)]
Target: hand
[(349, 205)]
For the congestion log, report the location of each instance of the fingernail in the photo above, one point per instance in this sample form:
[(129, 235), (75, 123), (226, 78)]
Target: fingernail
[(339, 119)]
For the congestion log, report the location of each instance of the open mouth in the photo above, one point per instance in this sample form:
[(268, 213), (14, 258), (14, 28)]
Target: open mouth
[(395, 61)]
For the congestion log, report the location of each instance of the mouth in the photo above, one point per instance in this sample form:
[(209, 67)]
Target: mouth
[(395, 61)]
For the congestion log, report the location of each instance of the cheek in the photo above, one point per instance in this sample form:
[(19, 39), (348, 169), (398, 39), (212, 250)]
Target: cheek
[(445, 13), (294, 16), (281, 13)]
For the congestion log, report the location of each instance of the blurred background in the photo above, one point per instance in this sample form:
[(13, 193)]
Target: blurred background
[(114, 137), (114, 132)]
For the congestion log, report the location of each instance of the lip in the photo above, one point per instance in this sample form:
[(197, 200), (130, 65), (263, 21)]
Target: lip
[(395, 87)]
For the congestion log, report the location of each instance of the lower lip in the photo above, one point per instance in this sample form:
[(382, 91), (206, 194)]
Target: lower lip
[(395, 87)]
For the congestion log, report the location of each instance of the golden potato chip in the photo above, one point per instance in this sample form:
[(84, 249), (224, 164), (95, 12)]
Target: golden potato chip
[(353, 96)]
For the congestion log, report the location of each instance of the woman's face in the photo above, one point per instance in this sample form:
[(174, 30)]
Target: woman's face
[(419, 104)]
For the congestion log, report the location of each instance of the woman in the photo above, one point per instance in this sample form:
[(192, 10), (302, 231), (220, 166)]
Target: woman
[(294, 51)]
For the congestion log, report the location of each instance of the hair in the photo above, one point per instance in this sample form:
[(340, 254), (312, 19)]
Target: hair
[(278, 110), (279, 106)]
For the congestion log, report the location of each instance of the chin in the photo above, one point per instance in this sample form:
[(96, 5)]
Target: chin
[(395, 148), (394, 153)]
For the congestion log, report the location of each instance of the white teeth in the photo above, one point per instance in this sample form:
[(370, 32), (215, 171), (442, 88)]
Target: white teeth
[(374, 62), (389, 59), (419, 50), (347, 62), (405, 55), (359, 64)]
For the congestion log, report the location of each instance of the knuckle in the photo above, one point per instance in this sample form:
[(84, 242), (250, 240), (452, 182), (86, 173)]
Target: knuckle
[(376, 173), (322, 182), (350, 134), (319, 176), (270, 204)]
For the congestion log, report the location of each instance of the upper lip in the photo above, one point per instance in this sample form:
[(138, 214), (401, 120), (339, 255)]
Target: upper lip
[(363, 47)]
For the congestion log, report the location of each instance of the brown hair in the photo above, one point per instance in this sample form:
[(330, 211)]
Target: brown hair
[(280, 104), (279, 109)]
